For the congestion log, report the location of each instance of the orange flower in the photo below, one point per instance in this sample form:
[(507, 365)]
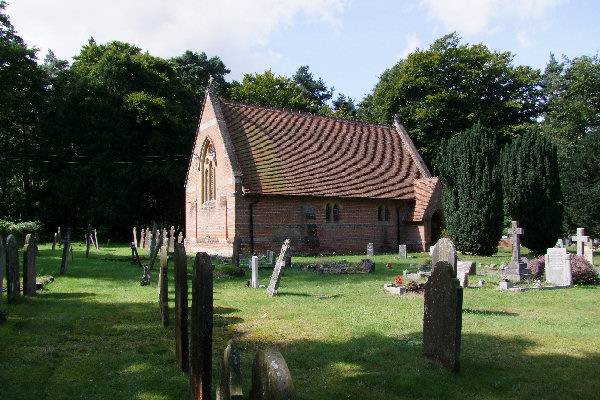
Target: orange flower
[(398, 280)]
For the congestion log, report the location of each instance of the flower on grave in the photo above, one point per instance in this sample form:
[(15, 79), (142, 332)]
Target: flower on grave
[(398, 280), (388, 265)]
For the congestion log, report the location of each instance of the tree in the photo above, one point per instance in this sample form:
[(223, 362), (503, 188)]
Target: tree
[(315, 90), (472, 190), (440, 92), (344, 107), (195, 70), (269, 90), (532, 192), (572, 90)]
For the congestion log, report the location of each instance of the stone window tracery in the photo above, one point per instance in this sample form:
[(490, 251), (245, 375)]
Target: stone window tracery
[(208, 166)]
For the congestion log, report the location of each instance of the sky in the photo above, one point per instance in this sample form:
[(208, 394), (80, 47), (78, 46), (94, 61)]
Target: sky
[(347, 43)]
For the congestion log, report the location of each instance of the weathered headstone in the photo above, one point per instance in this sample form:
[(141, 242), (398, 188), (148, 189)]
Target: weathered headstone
[(54, 243), (517, 269), (142, 237), (254, 267), (153, 239), (229, 384), (88, 239), (402, 251), (163, 238), (181, 308), (558, 267), (172, 239), (13, 284), (467, 266), (271, 377), (276, 277), (463, 278), (270, 256), (148, 239), (163, 287), (2, 267), (588, 252), (288, 262), (65, 255), (202, 325), (580, 238), (235, 255), (444, 250), (559, 244), (29, 264), (369, 249), (96, 240), (442, 317), (135, 241), (180, 237), (59, 237)]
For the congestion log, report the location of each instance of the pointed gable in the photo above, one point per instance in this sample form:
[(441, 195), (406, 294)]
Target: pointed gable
[(283, 152)]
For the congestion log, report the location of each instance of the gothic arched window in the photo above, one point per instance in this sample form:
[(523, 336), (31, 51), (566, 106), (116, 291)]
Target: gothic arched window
[(207, 169)]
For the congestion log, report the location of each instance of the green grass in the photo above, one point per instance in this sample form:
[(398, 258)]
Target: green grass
[(96, 334)]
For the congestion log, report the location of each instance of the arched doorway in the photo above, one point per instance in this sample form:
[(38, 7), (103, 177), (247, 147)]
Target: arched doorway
[(437, 226)]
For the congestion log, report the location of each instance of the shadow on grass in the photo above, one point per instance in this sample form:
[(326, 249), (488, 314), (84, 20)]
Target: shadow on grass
[(488, 312)]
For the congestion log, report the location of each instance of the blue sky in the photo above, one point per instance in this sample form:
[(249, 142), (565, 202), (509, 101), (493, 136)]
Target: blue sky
[(348, 43)]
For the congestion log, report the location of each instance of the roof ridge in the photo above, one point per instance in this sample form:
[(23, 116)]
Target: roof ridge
[(291, 111)]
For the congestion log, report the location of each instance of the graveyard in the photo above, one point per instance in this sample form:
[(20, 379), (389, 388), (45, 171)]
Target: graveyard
[(95, 332)]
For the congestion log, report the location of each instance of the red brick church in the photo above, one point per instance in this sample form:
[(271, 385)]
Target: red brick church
[(259, 175)]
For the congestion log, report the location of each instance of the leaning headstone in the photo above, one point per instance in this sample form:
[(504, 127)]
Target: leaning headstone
[(229, 384), (588, 252), (202, 325), (467, 266), (88, 240), (65, 255), (172, 239), (517, 269), (254, 267), (402, 251), (181, 308), (29, 265), (13, 284), (444, 250), (276, 277), (558, 267), (135, 237), (2, 267), (442, 317), (270, 256), (163, 287), (271, 377), (369, 249), (580, 238)]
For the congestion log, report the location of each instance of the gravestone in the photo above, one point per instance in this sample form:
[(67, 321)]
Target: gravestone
[(153, 239), (181, 308), (588, 252), (559, 244), (271, 377), (148, 239), (229, 384), (369, 249), (442, 317), (580, 239), (29, 264), (172, 239), (276, 277), (467, 266), (254, 267), (96, 240), (558, 267), (163, 239), (65, 255), (270, 256), (59, 238), (135, 242), (13, 284), (163, 287), (235, 255), (180, 238), (202, 325), (142, 237), (288, 262), (2, 267), (402, 251), (463, 278), (54, 243), (517, 269), (444, 250), (88, 239)]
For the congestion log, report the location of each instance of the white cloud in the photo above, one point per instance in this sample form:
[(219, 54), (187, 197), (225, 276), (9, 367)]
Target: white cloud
[(237, 31), (472, 17), (412, 43)]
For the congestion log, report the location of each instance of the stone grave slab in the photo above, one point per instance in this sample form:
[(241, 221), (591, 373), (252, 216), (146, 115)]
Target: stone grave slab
[(467, 266), (181, 308), (65, 254), (254, 267), (29, 264), (442, 317), (277, 271), (402, 251), (229, 384), (558, 267), (271, 377), (163, 287), (172, 239), (444, 250), (369, 249), (13, 283), (588, 252)]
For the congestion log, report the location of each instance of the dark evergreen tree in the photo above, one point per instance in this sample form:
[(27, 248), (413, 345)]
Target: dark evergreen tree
[(469, 167), (532, 193)]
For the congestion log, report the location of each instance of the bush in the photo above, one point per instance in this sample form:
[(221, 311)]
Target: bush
[(538, 267), (19, 229), (583, 272), (233, 271)]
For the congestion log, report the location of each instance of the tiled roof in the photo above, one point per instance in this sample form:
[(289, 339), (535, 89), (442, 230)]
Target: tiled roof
[(283, 152), (424, 190)]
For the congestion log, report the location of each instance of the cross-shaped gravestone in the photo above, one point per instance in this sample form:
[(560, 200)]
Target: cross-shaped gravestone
[(29, 264), (276, 277), (515, 232), (580, 239), (13, 284)]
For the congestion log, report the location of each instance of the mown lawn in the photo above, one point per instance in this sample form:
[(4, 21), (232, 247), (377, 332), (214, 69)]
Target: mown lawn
[(96, 334)]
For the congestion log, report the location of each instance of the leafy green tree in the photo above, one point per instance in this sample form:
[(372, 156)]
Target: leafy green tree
[(195, 70), (315, 90), (469, 167), (580, 179), (572, 90), (344, 107), (22, 97), (532, 192), (269, 90), (444, 90)]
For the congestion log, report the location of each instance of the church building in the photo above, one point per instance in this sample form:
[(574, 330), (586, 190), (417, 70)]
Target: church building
[(259, 175)]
